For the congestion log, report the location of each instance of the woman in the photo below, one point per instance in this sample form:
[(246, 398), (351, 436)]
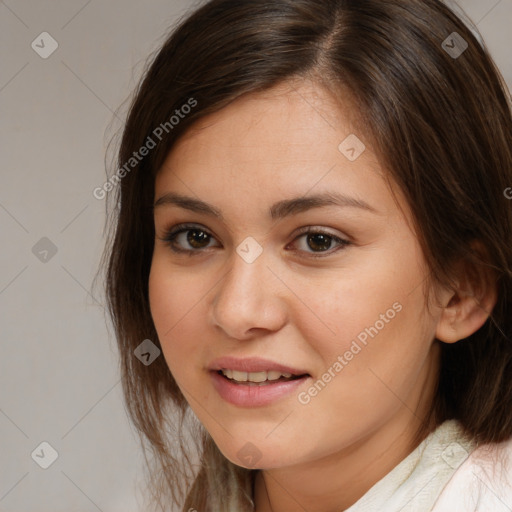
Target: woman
[(312, 230)]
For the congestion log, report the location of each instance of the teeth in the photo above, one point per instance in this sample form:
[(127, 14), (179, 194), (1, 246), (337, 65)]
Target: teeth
[(257, 376), (239, 376), (254, 376), (228, 373)]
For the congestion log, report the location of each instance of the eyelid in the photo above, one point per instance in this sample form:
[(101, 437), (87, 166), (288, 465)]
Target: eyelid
[(323, 231), (184, 227), (171, 233)]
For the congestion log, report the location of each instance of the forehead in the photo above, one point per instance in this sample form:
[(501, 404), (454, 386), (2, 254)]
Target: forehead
[(279, 143), (283, 118)]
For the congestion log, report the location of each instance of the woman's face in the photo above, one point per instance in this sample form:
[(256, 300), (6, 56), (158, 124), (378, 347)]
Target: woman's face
[(342, 308)]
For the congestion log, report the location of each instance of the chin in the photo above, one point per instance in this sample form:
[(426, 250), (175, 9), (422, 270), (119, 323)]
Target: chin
[(250, 455)]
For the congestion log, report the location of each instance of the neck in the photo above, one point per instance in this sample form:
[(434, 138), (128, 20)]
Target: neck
[(335, 482)]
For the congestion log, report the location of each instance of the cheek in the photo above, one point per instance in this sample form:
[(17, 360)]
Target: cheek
[(379, 330), (377, 360), (174, 309), (362, 298)]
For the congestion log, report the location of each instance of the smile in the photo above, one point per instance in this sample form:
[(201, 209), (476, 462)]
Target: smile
[(255, 378), (256, 389)]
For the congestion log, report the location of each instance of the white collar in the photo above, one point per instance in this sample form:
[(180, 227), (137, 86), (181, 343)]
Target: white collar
[(418, 480)]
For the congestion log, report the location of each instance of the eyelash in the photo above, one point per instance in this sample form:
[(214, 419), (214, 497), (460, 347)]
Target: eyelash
[(171, 234)]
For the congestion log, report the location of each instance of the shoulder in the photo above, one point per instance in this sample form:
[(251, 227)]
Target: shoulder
[(483, 483)]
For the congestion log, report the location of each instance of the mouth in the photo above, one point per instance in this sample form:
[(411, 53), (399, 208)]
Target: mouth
[(254, 381), (261, 378), (257, 388)]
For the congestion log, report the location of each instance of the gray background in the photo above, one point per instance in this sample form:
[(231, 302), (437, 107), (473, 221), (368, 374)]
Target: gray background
[(59, 379)]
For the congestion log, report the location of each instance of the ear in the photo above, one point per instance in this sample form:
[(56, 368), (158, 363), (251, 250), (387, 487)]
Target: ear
[(468, 307)]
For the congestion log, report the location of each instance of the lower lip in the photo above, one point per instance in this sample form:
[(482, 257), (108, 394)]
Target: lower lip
[(244, 395)]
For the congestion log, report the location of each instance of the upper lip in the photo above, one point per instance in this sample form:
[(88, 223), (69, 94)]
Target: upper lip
[(252, 364)]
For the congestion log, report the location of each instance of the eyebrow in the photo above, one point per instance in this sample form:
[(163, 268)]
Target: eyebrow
[(279, 210)]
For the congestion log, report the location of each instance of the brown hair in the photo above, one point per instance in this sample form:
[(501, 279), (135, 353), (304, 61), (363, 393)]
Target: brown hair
[(440, 123)]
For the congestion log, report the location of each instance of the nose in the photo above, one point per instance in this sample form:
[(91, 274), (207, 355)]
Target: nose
[(249, 299)]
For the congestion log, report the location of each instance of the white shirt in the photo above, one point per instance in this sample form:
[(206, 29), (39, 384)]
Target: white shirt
[(446, 472)]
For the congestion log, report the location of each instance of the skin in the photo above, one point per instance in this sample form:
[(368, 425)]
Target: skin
[(290, 307)]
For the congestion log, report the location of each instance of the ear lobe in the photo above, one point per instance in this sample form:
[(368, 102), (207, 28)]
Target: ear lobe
[(470, 305)]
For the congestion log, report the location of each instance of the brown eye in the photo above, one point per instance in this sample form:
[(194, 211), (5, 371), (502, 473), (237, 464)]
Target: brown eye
[(187, 239), (320, 242), (196, 238), (192, 240)]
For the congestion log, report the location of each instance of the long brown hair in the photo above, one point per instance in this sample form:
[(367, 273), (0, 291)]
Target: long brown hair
[(438, 114)]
